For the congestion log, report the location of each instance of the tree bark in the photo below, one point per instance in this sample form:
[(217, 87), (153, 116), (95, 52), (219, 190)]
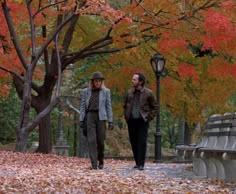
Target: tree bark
[(22, 132), (45, 145), (39, 104), (21, 140), (75, 134), (181, 130), (187, 134)]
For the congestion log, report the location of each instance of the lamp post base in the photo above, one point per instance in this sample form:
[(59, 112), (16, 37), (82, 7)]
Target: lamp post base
[(157, 147)]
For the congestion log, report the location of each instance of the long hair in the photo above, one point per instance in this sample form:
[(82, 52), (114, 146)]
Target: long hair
[(91, 85)]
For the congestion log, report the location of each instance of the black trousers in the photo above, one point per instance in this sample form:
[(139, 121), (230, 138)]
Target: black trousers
[(96, 130), (138, 132)]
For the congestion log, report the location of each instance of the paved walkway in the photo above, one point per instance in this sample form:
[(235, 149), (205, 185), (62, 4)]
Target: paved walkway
[(159, 170), (38, 173)]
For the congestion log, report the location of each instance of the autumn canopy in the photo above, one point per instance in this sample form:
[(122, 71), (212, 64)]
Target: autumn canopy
[(39, 39)]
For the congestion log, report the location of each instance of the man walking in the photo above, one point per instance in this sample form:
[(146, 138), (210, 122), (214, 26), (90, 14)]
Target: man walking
[(140, 107)]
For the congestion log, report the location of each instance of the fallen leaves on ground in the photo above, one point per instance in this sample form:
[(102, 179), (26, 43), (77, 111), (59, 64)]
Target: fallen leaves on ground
[(39, 173)]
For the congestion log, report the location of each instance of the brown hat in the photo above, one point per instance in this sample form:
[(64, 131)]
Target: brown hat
[(97, 75)]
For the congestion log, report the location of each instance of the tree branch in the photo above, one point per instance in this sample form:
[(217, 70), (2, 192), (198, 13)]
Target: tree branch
[(32, 31), (72, 107), (50, 5), (58, 85), (12, 73), (92, 52), (69, 34), (52, 37), (45, 53), (41, 115), (19, 51)]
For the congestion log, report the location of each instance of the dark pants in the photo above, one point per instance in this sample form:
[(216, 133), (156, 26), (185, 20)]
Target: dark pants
[(96, 136), (138, 131)]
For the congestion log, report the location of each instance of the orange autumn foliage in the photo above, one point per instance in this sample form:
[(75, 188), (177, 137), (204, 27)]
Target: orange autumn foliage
[(168, 27)]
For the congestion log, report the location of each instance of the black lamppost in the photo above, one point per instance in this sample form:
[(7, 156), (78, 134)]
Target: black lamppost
[(158, 63)]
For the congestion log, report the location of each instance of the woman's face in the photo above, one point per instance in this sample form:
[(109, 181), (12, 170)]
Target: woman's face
[(97, 83)]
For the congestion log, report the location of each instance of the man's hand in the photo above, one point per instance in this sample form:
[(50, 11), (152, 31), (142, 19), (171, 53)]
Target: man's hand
[(110, 125)]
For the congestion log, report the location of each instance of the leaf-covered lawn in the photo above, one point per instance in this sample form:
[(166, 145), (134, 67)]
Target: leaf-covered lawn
[(38, 173)]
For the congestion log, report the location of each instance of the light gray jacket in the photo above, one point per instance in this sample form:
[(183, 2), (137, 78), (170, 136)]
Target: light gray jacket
[(105, 107)]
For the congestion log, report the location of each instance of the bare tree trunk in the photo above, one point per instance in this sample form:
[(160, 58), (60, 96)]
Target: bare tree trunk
[(22, 132), (181, 130), (187, 134), (75, 134), (171, 134), (45, 145), (21, 140)]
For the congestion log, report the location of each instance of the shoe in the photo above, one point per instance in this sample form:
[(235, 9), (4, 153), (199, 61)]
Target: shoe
[(140, 168), (136, 166), (100, 166), (93, 167)]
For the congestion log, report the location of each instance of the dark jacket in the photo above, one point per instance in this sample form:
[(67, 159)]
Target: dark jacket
[(148, 104)]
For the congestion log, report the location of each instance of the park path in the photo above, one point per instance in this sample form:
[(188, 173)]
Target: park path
[(51, 174), (160, 170), (171, 178)]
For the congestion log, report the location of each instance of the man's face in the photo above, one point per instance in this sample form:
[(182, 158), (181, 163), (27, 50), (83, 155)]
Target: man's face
[(97, 83), (135, 81)]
